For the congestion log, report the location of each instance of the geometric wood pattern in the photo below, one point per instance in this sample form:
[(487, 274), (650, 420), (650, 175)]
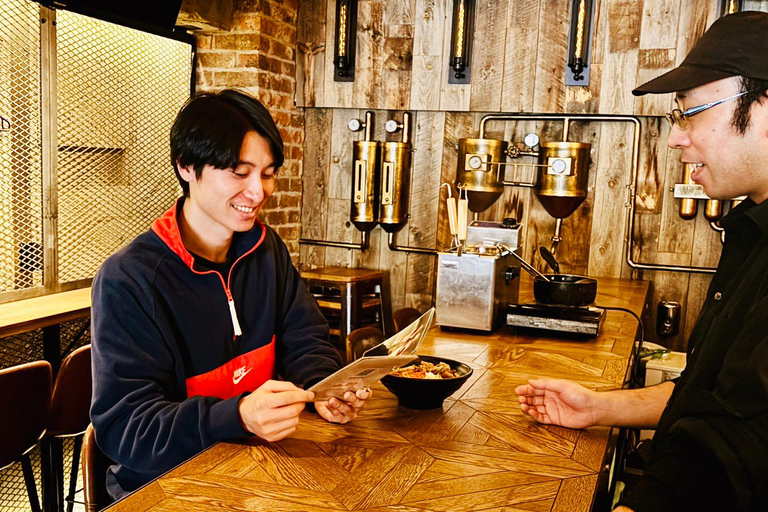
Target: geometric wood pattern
[(479, 452)]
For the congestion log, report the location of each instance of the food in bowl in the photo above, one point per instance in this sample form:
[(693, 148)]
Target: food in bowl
[(426, 370)]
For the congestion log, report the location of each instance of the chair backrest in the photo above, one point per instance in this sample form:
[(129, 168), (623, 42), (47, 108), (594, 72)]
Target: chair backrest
[(25, 404), (404, 317), (95, 465), (71, 400), (364, 338)]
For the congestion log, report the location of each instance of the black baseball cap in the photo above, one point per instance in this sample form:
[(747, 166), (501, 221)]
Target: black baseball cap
[(735, 45)]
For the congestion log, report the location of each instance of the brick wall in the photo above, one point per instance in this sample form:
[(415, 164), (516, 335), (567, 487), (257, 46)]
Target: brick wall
[(259, 56)]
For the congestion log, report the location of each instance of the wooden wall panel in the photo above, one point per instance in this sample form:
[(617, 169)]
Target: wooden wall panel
[(429, 21), (520, 54), (519, 62), (487, 67)]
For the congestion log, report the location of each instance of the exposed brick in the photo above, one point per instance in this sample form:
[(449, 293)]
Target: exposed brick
[(247, 60), (290, 201), (247, 22), (204, 78), (235, 78), (204, 42), (282, 118), (216, 59), (280, 50)]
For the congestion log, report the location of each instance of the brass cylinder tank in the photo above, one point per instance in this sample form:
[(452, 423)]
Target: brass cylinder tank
[(395, 185), (478, 170), (365, 184), (688, 207), (563, 176)]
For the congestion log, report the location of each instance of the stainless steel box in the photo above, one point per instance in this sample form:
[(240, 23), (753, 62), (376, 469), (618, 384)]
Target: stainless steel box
[(473, 290)]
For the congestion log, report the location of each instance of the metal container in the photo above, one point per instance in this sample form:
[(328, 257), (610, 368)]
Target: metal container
[(395, 177), (478, 171), (474, 289), (365, 185), (563, 177)]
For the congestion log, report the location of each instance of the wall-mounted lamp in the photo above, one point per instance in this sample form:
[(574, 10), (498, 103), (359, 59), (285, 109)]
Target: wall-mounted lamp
[(580, 42), (462, 33), (346, 35), (731, 6)]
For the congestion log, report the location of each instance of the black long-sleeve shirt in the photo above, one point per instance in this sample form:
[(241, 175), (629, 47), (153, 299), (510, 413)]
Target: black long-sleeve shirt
[(710, 451)]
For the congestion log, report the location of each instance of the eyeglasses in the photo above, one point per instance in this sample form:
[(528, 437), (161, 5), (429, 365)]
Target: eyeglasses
[(680, 118)]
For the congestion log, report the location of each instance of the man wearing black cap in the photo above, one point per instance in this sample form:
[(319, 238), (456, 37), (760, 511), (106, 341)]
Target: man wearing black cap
[(710, 450)]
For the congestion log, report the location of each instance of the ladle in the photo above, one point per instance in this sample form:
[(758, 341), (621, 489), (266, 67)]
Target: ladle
[(550, 259), (527, 266)]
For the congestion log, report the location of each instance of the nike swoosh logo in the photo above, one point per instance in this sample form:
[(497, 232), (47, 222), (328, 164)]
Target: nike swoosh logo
[(236, 380)]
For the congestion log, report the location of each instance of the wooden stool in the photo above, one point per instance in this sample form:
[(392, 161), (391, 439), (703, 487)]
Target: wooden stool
[(350, 293)]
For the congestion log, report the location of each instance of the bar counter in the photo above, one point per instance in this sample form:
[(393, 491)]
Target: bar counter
[(479, 452)]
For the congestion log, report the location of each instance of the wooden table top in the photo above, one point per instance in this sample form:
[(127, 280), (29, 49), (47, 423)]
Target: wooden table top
[(342, 274), (29, 314), (479, 452)]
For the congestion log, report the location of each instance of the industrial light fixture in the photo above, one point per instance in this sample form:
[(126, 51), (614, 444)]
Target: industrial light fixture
[(731, 6), (580, 42), (462, 33), (346, 35)]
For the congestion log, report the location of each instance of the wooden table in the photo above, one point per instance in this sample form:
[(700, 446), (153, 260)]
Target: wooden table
[(479, 452)]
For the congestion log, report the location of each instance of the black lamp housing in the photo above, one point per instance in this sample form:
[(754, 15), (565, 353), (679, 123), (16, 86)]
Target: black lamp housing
[(462, 32), (580, 42), (730, 7), (346, 35)]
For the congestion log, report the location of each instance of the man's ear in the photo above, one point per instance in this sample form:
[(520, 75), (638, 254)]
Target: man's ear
[(187, 173)]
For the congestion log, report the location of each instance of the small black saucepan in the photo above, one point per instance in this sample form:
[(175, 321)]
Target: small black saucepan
[(565, 290)]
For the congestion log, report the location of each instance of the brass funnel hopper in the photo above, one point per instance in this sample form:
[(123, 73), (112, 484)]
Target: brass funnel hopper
[(562, 181), (478, 173)]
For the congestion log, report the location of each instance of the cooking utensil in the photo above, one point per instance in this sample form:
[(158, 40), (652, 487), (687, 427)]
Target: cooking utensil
[(565, 289), (527, 266), (550, 259)]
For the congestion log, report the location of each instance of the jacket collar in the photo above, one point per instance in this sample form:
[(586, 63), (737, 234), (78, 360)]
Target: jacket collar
[(167, 229)]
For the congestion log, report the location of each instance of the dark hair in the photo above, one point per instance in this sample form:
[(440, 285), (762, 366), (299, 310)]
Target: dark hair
[(755, 90), (211, 127)]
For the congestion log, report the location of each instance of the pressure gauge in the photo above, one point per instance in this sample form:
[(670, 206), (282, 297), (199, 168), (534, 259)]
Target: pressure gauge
[(559, 166), (391, 126), (475, 162), (355, 125), (531, 140)]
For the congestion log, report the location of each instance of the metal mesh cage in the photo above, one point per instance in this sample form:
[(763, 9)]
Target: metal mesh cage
[(118, 92), (21, 237)]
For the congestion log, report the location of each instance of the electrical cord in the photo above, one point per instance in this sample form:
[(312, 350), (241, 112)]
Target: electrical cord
[(633, 382)]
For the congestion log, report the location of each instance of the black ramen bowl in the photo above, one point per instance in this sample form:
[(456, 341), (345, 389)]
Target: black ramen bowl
[(426, 393), (565, 290)]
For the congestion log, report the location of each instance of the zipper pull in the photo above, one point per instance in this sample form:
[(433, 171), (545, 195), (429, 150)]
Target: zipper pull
[(233, 314)]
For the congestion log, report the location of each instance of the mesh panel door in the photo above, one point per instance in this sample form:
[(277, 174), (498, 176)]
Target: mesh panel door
[(119, 90), (21, 255)]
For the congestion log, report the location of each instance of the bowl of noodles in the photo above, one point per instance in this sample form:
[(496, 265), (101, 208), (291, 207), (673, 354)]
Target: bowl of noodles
[(427, 382)]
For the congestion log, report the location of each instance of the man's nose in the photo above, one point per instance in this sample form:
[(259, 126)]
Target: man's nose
[(678, 138), (255, 189)]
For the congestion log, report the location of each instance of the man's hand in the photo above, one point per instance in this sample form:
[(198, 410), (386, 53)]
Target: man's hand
[(558, 402), (272, 411), (343, 411)]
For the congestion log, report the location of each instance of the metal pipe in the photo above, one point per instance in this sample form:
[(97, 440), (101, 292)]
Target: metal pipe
[(631, 188), (365, 242), (418, 250)]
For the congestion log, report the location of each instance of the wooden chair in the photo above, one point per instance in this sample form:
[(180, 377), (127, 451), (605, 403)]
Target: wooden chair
[(70, 406), (25, 402), (404, 317), (95, 465), (364, 338)]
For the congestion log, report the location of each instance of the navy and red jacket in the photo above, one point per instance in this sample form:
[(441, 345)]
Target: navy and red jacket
[(175, 349)]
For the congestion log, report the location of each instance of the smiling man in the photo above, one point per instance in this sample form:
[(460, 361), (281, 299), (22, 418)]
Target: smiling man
[(194, 321), (710, 450)]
